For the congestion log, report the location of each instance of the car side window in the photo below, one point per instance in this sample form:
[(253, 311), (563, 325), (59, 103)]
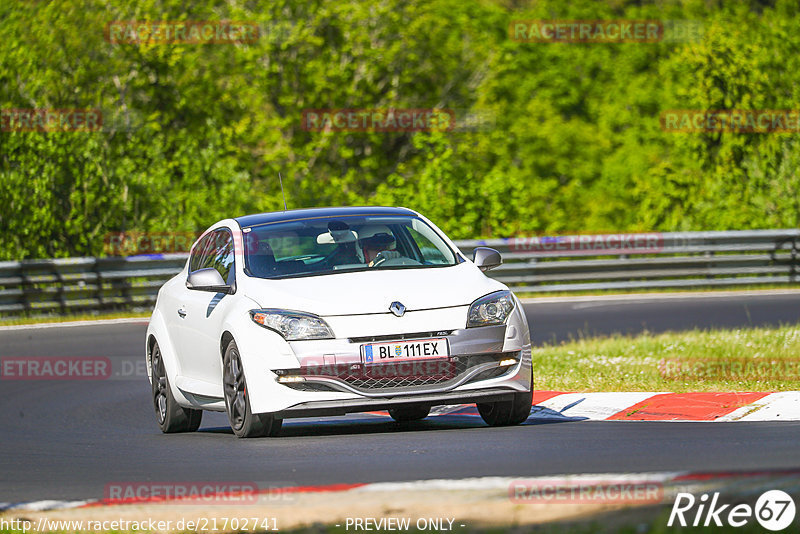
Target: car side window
[(220, 255), (199, 252), (430, 252), (215, 251)]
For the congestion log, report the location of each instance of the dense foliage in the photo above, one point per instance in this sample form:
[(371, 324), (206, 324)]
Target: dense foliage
[(195, 133)]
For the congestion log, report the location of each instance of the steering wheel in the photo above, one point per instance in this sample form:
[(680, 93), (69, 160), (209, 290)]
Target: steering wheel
[(383, 256)]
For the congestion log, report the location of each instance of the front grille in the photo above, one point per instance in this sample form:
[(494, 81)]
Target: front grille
[(375, 378), (400, 337), (408, 376)]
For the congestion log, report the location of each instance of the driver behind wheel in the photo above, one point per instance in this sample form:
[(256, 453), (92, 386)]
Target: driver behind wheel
[(377, 243)]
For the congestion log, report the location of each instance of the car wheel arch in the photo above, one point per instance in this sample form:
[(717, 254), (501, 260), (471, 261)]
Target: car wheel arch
[(225, 340), (151, 342)]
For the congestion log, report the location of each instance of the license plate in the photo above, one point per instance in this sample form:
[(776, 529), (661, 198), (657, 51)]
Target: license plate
[(409, 350)]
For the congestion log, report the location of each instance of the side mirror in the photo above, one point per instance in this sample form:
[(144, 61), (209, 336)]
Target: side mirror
[(207, 280), (486, 258)]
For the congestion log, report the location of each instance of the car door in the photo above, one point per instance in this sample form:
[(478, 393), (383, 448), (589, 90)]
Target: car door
[(173, 304), (201, 314)]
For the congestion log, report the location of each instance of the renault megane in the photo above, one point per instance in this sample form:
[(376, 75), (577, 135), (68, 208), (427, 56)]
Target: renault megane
[(329, 311)]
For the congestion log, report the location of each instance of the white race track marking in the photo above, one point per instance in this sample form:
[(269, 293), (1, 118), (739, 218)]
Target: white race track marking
[(503, 483), (591, 406), (41, 506), (783, 406)]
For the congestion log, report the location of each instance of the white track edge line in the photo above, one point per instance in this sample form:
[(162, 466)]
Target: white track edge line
[(42, 506)]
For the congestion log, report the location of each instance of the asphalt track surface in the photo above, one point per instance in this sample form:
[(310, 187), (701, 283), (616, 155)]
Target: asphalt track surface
[(70, 439)]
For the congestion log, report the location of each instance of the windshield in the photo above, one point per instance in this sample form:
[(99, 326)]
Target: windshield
[(343, 243)]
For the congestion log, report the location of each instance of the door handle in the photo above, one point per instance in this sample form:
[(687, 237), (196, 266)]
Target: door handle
[(182, 312)]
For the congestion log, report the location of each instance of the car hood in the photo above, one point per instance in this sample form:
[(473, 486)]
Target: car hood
[(366, 292)]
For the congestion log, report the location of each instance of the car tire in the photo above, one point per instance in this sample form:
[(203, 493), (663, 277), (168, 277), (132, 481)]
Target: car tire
[(170, 416), (415, 412), (244, 422), (506, 413)]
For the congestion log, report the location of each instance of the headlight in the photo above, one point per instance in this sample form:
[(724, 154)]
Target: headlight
[(491, 309), (293, 325)]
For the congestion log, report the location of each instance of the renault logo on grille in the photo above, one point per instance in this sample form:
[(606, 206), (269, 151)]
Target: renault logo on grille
[(397, 308)]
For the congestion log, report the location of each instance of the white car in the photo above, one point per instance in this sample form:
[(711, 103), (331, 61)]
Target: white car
[(329, 311)]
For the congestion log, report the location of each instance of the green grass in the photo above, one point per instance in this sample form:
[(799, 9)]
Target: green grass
[(752, 359), (11, 321)]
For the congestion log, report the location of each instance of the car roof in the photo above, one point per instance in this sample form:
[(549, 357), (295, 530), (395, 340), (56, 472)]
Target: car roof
[(258, 219)]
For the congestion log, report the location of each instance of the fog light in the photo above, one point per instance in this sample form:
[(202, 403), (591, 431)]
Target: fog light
[(290, 379), (507, 361)]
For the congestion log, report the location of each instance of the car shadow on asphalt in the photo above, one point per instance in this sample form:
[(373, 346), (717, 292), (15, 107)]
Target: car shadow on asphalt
[(359, 424)]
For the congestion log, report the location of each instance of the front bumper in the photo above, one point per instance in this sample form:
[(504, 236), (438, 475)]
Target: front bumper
[(487, 363), (342, 407), (389, 380)]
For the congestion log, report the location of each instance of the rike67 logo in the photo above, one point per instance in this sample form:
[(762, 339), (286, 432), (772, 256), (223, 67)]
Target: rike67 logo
[(774, 510)]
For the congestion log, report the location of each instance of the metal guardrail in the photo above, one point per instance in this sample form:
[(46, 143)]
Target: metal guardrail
[(72, 285), (644, 261), (538, 264)]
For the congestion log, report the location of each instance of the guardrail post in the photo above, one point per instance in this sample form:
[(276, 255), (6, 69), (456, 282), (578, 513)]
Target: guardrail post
[(124, 286), (25, 287), (60, 292), (99, 289)]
